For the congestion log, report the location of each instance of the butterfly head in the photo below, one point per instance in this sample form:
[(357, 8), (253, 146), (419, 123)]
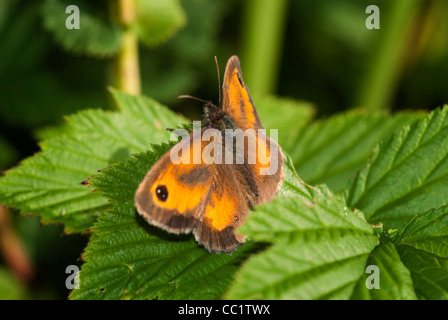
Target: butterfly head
[(216, 118)]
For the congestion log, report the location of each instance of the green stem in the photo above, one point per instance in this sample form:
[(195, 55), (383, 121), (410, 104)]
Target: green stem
[(127, 64), (388, 58), (264, 23)]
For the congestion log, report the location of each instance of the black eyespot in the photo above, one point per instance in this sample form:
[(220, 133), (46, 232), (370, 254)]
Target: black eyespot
[(162, 193), (240, 80)]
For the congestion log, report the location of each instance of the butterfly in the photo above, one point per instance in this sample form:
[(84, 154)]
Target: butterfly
[(212, 196)]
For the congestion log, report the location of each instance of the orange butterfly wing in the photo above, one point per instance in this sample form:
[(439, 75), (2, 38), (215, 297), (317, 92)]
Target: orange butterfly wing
[(238, 104), (236, 101), (206, 198), (212, 200)]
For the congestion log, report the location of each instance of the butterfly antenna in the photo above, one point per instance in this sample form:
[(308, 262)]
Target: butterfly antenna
[(183, 96), (219, 80)]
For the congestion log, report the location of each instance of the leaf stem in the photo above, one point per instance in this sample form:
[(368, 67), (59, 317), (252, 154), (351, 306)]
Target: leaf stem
[(127, 65), (388, 58), (262, 42)]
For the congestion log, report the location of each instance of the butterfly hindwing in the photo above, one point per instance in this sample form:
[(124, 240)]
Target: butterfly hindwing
[(185, 196), (268, 169), (208, 197), (225, 210)]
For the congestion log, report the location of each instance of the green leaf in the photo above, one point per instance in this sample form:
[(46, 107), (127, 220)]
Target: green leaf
[(407, 175), (128, 259), (47, 132), (158, 20), (423, 248), (7, 154), (319, 248), (22, 42), (394, 279), (48, 184), (47, 99), (330, 151), (10, 287), (427, 232), (97, 36), (177, 66), (299, 211), (288, 116), (429, 272)]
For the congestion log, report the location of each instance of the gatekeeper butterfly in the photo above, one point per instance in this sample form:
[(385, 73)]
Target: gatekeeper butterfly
[(207, 196)]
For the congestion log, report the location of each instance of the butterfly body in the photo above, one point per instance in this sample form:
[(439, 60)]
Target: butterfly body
[(216, 118), (212, 198)]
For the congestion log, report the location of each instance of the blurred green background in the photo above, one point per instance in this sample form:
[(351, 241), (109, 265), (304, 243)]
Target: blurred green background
[(313, 50)]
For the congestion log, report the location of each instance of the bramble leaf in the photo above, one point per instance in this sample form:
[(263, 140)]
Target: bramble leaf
[(7, 154), (158, 20), (288, 116), (423, 248), (393, 278), (48, 184), (330, 151), (10, 287), (319, 248), (97, 36), (407, 175), (128, 259)]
